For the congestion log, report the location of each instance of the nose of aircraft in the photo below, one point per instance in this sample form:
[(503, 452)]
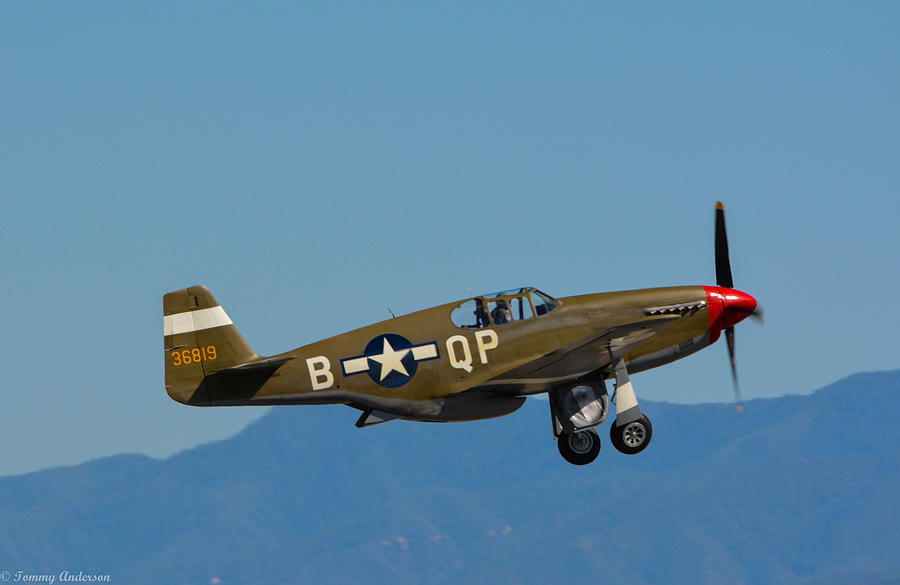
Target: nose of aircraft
[(738, 306), (728, 307)]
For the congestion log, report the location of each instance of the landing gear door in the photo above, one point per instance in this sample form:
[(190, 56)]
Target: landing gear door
[(578, 406)]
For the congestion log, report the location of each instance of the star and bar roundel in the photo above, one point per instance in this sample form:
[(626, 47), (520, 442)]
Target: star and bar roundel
[(390, 360)]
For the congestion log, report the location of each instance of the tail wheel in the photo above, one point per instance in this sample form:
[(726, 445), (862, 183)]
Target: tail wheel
[(632, 437), (580, 447)]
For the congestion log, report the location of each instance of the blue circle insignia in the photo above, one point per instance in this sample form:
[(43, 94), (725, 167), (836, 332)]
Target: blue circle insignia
[(391, 360)]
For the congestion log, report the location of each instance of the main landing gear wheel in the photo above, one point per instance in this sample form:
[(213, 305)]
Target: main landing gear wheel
[(580, 447), (633, 437)]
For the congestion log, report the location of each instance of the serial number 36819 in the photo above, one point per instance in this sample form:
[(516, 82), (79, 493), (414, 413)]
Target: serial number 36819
[(190, 356)]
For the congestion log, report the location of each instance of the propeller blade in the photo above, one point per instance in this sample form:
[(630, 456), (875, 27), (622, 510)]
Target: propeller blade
[(729, 340), (723, 263), (759, 315)]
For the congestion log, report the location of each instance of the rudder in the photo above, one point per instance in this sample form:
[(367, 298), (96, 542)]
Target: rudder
[(199, 339)]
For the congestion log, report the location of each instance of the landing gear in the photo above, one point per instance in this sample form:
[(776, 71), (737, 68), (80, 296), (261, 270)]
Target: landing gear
[(576, 408), (632, 437), (580, 447)]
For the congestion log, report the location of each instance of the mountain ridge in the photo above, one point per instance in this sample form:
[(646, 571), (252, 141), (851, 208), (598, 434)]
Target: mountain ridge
[(794, 490)]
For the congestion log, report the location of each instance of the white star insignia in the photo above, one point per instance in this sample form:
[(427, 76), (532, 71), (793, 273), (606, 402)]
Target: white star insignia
[(391, 360)]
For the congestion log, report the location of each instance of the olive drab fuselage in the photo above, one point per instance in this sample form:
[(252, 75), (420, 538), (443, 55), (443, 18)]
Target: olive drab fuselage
[(580, 336)]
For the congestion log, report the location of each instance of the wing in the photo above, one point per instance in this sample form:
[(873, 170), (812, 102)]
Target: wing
[(579, 358)]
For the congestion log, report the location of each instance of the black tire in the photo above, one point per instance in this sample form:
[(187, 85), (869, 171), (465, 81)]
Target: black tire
[(580, 447), (633, 437)]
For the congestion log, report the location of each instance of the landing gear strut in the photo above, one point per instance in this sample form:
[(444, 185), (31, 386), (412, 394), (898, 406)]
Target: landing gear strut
[(580, 447), (630, 433)]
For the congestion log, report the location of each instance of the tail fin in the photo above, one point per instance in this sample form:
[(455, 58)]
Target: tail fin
[(199, 339)]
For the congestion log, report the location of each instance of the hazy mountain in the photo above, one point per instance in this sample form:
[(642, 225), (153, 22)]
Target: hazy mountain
[(796, 489)]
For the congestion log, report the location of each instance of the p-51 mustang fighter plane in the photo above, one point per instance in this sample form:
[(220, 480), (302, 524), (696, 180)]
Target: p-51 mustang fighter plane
[(468, 360)]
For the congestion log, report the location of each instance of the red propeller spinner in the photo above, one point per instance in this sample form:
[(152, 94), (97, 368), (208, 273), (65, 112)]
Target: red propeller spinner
[(727, 308)]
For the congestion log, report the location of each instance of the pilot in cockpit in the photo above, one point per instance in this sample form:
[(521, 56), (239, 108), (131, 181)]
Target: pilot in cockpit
[(501, 313)]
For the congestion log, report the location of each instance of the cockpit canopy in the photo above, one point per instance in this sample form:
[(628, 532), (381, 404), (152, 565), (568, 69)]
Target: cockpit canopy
[(503, 307)]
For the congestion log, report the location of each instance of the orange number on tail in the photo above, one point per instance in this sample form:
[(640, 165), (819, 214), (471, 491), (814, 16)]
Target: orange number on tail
[(194, 355)]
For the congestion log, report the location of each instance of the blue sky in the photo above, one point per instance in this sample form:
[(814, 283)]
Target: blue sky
[(315, 165)]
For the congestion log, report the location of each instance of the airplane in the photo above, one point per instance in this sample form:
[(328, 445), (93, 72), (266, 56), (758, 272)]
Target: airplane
[(471, 359)]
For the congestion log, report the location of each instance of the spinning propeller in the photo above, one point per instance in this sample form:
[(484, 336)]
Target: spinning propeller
[(737, 305)]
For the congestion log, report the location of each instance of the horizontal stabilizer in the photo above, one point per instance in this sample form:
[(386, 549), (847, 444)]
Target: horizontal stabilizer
[(258, 366)]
